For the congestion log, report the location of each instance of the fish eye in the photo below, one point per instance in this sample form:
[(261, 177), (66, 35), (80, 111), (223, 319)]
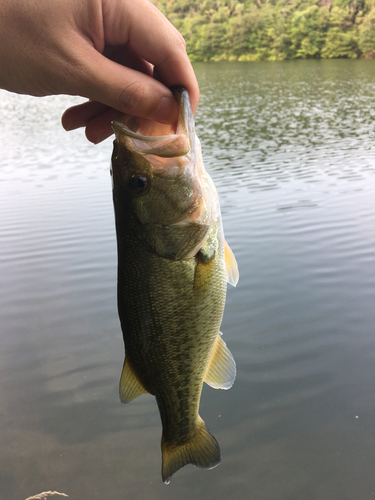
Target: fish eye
[(138, 183)]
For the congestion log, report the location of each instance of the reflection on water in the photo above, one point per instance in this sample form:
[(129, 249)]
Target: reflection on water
[(290, 147)]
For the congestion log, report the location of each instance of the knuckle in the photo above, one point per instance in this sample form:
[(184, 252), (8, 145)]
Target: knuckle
[(176, 50), (181, 44), (131, 97)]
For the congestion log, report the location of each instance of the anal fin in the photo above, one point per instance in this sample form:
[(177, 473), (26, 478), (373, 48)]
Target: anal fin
[(221, 370), (130, 385)]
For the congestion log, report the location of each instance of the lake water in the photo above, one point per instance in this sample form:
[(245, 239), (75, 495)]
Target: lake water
[(291, 148)]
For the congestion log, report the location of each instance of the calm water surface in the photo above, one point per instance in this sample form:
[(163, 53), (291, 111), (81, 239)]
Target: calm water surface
[(291, 148)]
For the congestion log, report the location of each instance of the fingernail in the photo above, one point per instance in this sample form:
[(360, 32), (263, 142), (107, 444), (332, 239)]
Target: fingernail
[(167, 110), (72, 126), (97, 137)]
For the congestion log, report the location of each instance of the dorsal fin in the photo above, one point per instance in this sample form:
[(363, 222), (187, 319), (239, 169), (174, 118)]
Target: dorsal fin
[(130, 385), (221, 370), (231, 266)]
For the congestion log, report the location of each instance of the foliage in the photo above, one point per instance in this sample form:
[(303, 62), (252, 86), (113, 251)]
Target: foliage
[(253, 30)]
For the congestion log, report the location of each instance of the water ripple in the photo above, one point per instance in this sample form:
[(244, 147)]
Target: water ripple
[(291, 149)]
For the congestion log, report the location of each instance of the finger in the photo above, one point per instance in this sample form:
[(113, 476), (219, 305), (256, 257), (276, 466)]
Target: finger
[(123, 88), (99, 128), (125, 55), (154, 39), (80, 115)]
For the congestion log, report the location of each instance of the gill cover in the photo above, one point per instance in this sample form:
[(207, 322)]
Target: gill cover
[(174, 199)]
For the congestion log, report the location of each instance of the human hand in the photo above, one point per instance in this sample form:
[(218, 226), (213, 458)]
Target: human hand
[(123, 55)]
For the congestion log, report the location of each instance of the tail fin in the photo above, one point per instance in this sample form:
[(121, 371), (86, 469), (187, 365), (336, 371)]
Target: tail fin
[(201, 450)]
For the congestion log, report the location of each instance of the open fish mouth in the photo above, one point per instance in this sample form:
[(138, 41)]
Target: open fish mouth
[(172, 151), (148, 137)]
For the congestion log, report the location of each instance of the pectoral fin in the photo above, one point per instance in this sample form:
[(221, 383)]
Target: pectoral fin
[(130, 385), (231, 266), (221, 370)]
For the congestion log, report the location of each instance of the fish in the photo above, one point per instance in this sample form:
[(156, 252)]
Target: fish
[(173, 269)]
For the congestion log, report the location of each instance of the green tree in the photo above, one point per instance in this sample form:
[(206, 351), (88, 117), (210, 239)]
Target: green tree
[(307, 29), (248, 30), (366, 35)]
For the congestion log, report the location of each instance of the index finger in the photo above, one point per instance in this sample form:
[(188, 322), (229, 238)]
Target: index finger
[(154, 39)]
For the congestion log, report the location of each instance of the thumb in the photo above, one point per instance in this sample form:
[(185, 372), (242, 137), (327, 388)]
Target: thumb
[(125, 89)]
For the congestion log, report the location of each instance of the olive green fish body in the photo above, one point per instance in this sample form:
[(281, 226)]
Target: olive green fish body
[(172, 275), (170, 322)]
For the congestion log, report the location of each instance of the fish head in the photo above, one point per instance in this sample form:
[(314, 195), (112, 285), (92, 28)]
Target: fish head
[(159, 176)]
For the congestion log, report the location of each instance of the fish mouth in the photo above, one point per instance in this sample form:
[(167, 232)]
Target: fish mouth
[(171, 150), (148, 137)]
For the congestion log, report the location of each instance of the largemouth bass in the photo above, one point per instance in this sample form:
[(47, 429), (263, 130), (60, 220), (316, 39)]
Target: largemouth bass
[(173, 266)]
